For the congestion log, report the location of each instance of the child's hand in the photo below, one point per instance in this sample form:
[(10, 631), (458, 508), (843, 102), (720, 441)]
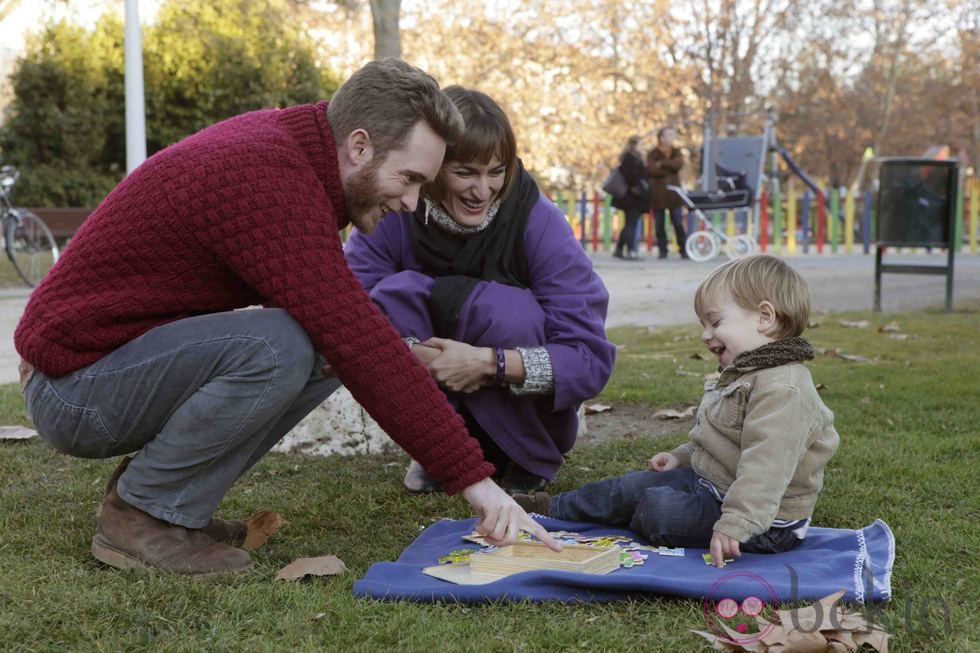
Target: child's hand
[(663, 461), (722, 547)]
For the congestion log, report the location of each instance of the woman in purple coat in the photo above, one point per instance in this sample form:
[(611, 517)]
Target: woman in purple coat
[(489, 287)]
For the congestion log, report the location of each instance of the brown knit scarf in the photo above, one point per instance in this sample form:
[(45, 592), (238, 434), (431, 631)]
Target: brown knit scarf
[(774, 354)]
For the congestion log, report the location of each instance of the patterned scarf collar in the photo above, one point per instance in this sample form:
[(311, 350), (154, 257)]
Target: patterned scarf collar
[(438, 214)]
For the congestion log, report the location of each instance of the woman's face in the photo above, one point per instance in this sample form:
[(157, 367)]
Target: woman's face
[(471, 188), (668, 137)]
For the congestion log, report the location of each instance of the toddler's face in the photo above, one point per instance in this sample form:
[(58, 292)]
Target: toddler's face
[(730, 329)]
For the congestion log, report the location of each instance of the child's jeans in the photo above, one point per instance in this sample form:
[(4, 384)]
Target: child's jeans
[(668, 508)]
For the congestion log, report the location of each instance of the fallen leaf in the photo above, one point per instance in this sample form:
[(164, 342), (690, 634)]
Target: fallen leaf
[(670, 413), (820, 386), (826, 627), (853, 358), (772, 634), (806, 619), (805, 642), (16, 433), (261, 526), (686, 373), (877, 639), (592, 409), (812, 325), (859, 324), (322, 566), (891, 327), (843, 636), (702, 357)]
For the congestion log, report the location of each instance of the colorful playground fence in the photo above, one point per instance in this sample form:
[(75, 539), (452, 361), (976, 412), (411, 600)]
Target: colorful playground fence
[(836, 220)]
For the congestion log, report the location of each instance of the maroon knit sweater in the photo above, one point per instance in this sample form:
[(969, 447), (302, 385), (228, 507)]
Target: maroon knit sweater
[(244, 212)]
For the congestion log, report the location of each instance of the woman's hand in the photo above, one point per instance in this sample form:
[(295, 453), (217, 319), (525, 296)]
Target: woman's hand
[(501, 519), (663, 461), (425, 354), (461, 367)]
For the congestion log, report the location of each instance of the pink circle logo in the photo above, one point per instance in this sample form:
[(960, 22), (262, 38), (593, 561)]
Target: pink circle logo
[(738, 620)]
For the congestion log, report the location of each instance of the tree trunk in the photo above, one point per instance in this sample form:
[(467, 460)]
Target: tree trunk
[(387, 38)]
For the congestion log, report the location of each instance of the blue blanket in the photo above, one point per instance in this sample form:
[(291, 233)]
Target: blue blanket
[(828, 560)]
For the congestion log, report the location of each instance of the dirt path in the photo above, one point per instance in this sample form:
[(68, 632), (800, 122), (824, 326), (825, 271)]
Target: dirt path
[(651, 292)]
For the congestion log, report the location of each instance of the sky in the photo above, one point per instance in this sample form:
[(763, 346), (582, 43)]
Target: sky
[(30, 14)]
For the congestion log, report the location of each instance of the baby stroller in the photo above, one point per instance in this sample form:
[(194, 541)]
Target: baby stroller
[(732, 193)]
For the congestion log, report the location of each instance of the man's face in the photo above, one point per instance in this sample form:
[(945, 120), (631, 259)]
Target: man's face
[(391, 183)]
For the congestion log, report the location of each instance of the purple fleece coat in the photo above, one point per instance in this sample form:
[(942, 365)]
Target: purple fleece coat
[(564, 310)]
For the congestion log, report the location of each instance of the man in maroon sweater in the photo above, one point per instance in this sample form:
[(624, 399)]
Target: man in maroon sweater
[(132, 343)]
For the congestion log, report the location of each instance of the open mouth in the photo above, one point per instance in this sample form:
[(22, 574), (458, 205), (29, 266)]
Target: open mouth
[(472, 205), (717, 351)]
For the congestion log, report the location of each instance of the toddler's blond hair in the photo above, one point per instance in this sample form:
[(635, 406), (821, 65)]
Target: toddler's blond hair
[(752, 280)]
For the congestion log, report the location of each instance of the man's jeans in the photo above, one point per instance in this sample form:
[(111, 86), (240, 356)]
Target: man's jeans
[(202, 399), (668, 508)]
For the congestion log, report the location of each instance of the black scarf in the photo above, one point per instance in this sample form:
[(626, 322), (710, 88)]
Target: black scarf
[(458, 263)]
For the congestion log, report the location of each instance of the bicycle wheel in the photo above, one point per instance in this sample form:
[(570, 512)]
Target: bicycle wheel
[(30, 246), (738, 246), (702, 246)]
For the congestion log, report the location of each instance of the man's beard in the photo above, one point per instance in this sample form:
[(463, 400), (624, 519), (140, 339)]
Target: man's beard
[(361, 196)]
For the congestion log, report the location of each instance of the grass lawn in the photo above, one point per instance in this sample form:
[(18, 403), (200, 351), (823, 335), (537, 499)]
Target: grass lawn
[(8, 275), (910, 451)]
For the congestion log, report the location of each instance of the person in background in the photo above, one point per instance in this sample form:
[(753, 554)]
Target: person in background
[(664, 163), (487, 282), (635, 201), (132, 342)]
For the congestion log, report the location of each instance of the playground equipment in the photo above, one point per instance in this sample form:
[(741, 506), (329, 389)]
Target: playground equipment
[(734, 177)]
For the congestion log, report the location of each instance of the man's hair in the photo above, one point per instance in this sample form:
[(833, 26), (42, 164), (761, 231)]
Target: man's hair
[(387, 98), (752, 280), (487, 133)]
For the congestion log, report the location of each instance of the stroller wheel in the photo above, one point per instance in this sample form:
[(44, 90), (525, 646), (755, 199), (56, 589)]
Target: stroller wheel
[(739, 246), (702, 246)]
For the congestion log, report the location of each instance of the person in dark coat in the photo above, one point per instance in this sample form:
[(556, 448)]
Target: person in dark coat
[(636, 199), (664, 163)]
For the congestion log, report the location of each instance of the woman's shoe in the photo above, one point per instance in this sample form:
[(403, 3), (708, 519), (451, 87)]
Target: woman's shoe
[(417, 481), (517, 480)]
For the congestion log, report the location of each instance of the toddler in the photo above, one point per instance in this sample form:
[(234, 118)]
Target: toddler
[(749, 476)]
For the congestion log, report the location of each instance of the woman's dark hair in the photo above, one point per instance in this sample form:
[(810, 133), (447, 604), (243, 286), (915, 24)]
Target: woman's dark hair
[(631, 144), (487, 133)]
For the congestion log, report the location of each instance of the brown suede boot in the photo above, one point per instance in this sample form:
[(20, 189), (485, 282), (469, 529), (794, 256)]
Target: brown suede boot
[(129, 538), (227, 531)]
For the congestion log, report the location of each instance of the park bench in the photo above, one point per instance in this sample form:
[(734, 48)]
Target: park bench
[(63, 222)]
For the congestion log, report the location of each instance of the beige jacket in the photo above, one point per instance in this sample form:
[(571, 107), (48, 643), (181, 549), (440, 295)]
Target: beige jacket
[(762, 437)]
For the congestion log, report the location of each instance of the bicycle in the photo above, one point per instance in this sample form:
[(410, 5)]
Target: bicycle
[(27, 240), (705, 243)]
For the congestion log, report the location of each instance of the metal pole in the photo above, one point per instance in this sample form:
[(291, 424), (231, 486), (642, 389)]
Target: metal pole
[(135, 112)]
